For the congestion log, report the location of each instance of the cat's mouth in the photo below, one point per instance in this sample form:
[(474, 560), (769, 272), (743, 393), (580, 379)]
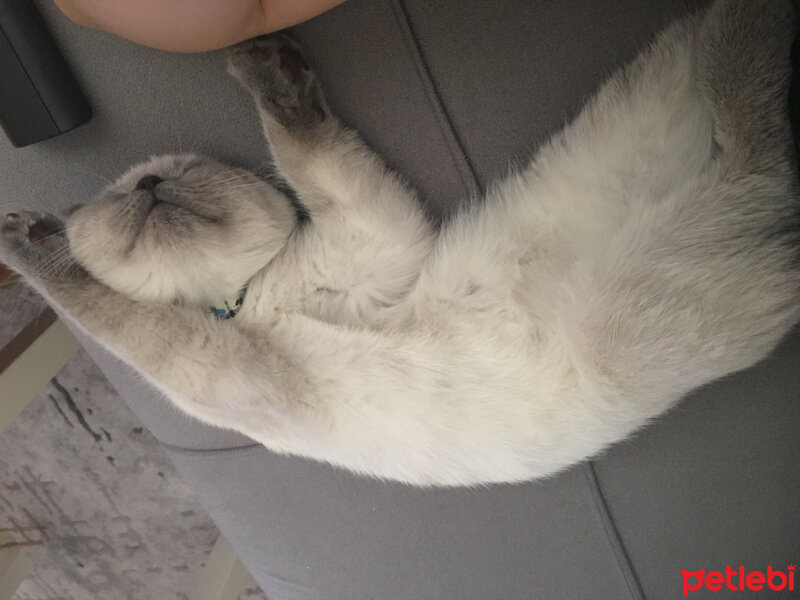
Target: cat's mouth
[(155, 202), (143, 208), (155, 205), (163, 202)]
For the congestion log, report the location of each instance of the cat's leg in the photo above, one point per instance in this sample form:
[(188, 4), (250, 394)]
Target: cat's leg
[(744, 71), (326, 163), (703, 279), (647, 129), (356, 205), (209, 368)]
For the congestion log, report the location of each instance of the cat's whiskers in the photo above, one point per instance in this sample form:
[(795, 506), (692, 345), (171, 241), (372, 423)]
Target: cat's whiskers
[(93, 174)]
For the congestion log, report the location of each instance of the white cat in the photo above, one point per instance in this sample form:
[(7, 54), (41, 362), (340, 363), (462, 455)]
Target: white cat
[(648, 249)]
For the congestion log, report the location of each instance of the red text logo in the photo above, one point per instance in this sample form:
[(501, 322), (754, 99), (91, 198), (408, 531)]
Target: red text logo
[(738, 580)]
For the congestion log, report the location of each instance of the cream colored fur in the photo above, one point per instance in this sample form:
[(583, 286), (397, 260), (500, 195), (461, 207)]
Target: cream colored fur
[(648, 249)]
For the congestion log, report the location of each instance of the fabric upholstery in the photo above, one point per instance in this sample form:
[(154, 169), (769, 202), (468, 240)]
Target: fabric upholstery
[(311, 532), (716, 482), (451, 93)]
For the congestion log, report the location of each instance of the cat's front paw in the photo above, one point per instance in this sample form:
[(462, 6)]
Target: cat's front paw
[(35, 244), (275, 72)]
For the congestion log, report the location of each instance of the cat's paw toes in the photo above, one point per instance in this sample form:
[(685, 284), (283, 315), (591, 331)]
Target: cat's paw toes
[(33, 242), (273, 69), (26, 227)]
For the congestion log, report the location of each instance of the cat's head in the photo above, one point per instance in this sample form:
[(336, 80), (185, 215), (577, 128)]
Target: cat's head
[(181, 228)]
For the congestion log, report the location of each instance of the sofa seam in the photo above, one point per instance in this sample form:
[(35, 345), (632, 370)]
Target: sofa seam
[(621, 555), (466, 170), (612, 534), (174, 448)]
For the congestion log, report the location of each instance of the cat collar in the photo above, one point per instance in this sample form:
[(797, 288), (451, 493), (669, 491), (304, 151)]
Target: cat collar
[(231, 306)]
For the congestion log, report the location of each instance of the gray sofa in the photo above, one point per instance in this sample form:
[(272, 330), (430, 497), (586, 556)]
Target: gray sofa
[(452, 93)]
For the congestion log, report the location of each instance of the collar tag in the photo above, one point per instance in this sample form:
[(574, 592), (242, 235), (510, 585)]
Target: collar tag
[(230, 309)]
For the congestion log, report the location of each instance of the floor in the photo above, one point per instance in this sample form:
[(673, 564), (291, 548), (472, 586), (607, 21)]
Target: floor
[(90, 495)]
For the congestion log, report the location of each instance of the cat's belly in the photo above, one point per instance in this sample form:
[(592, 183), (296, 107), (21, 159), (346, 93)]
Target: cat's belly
[(353, 305)]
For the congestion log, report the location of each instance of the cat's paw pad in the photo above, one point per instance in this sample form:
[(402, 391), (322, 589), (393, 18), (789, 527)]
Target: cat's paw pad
[(34, 243), (24, 228), (273, 69)]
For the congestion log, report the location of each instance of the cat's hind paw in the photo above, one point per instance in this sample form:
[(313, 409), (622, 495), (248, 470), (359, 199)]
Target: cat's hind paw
[(273, 69)]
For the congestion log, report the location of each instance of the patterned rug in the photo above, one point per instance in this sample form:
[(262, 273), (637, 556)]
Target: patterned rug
[(89, 494)]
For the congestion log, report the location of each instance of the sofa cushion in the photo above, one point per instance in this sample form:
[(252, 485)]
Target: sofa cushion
[(451, 92), (716, 482), (311, 532)]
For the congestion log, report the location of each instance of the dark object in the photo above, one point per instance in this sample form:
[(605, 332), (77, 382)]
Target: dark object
[(794, 95), (39, 97)]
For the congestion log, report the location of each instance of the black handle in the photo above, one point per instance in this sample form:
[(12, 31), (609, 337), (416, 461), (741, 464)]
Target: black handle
[(39, 97)]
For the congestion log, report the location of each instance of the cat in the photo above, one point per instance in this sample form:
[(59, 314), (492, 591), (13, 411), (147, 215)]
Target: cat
[(648, 249)]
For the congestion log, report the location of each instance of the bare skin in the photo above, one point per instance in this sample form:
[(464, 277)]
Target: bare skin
[(191, 25)]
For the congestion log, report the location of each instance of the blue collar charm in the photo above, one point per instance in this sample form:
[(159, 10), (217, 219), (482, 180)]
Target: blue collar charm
[(231, 307)]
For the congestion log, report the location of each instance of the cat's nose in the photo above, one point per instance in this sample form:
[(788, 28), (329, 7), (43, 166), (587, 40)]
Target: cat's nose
[(148, 182)]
